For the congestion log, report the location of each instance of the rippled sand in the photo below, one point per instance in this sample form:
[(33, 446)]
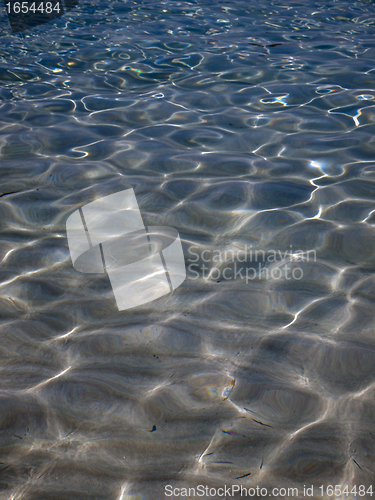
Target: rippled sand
[(239, 124)]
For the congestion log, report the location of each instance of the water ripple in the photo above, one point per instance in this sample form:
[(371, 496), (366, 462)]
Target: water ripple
[(248, 128)]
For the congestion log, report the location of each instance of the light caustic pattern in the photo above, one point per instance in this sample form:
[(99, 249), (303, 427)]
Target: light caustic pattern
[(236, 123)]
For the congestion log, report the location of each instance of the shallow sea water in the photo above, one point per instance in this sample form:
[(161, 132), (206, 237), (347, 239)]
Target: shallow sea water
[(244, 125)]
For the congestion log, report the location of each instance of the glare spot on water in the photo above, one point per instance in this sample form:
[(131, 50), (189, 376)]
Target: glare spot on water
[(276, 100), (365, 97)]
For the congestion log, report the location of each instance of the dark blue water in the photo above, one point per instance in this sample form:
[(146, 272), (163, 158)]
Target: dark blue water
[(245, 125)]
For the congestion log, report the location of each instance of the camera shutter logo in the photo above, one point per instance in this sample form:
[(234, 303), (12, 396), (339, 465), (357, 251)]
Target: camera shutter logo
[(108, 236)]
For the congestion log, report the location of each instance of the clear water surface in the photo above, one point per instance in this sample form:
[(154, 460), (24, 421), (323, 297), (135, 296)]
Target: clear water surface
[(239, 123)]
